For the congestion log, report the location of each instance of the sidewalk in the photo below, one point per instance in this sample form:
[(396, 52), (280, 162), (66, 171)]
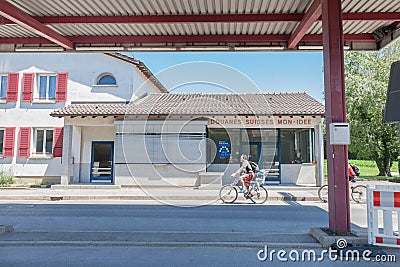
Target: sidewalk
[(112, 192)]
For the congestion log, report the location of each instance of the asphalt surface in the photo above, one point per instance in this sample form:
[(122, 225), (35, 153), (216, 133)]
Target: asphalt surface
[(171, 232)]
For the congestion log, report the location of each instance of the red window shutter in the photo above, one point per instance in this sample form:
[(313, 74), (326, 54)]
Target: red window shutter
[(62, 83), (24, 142), (58, 142), (27, 87), (12, 88), (9, 139)]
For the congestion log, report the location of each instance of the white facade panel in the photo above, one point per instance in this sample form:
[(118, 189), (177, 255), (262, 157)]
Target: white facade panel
[(148, 151)]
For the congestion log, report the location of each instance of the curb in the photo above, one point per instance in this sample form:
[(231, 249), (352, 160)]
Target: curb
[(129, 197), (327, 240), (77, 186), (159, 244), (14, 188)]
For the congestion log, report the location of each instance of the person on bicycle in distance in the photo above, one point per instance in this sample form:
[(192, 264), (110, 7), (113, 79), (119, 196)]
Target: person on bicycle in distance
[(352, 177), (247, 176)]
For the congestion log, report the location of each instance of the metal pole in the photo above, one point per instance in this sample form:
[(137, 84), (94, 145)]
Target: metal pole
[(335, 103)]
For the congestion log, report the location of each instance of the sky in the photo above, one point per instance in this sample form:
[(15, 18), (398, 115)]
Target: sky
[(196, 72)]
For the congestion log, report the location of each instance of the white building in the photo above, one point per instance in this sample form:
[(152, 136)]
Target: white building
[(34, 85), (65, 118), (169, 139)]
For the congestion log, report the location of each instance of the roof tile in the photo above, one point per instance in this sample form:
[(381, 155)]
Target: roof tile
[(204, 104)]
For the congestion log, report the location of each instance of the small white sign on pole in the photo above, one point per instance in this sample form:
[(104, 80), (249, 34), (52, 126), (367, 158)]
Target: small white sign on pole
[(339, 133)]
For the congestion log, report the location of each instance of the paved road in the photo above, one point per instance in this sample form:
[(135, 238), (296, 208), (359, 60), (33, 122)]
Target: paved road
[(150, 234), (273, 217), (277, 217), (167, 256)]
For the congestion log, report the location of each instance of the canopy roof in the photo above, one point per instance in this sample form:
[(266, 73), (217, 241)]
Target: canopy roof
[(181, 25)]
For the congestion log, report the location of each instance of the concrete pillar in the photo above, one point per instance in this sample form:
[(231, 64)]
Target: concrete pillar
[(66, 155)]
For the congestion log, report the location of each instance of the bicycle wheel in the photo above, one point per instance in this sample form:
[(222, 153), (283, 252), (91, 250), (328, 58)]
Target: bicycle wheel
[(259, 194), (323, 193), (228, 194), (359, 194)]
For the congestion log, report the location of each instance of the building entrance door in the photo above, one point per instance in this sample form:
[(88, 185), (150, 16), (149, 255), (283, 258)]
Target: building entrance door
[(270, 161), (263, 147), (102, 162)]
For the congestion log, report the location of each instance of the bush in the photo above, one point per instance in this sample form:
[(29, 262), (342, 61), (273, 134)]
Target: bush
[(6, 179)]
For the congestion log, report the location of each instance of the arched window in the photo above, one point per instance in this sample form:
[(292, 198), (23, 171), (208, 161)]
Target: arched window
[(106, 79)]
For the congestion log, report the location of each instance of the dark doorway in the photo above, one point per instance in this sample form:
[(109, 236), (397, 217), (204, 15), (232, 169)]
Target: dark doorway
[(102, 161)]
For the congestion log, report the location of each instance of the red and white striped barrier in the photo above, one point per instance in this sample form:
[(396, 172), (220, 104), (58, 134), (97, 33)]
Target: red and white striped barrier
[(385, 199)]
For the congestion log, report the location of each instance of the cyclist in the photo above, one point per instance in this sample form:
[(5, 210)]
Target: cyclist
[(352, 177), (247, 176)]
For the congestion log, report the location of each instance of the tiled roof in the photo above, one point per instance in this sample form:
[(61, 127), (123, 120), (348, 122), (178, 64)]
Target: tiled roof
[(142, 68), (204, 104)]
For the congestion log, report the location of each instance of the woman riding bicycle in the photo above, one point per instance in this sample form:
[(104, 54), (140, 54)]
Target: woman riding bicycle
[(247, 176)]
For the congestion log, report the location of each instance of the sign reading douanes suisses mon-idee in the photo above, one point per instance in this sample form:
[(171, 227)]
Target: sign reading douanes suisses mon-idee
[(264, 121)]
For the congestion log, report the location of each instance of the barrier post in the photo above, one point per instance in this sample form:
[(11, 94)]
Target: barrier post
[(387, 200)]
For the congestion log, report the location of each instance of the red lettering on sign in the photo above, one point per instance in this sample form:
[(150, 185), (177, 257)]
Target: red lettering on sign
[(285, 121)]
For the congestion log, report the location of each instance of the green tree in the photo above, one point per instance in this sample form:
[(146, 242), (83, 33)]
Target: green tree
[(366, 77)]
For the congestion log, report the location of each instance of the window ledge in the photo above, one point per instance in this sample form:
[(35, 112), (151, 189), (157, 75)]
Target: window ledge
[(40, 156), (3, 101), (104, 85), (44, 101)]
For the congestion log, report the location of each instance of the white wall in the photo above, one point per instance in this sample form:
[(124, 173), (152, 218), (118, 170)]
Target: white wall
[(227, 169), (176, 161), (29, 117), (298, 174), (83, 70)]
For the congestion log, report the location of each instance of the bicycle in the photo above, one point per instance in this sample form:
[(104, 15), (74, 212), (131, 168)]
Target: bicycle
[(358, 193), (258, 194)]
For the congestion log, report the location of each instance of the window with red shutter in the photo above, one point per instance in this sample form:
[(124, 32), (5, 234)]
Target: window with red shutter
[(62, 84), (24, 142), (12, 87), (27, 87), (58, 142), (9, 139), (3, 87)]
